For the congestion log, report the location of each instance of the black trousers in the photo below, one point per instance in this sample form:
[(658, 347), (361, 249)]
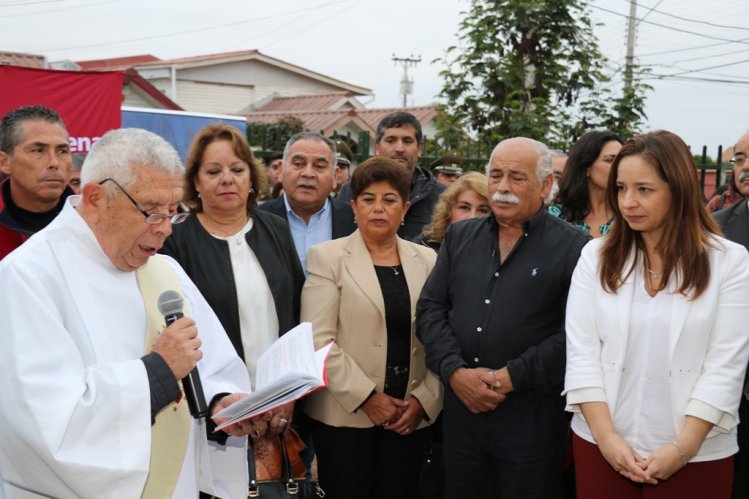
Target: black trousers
[(515, 451), (368, 463)]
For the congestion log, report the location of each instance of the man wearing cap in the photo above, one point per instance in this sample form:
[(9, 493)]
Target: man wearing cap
[(344, 161), (399, 137), (275, 163), (448, 168), (35, 156)]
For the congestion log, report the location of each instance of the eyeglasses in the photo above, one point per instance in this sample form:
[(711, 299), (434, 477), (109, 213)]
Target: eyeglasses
[(152, 218), (738, 160)]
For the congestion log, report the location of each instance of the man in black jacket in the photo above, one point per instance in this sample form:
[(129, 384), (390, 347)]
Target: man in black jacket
[(308, 179), (734, 222), (491, 318), (398, 136)]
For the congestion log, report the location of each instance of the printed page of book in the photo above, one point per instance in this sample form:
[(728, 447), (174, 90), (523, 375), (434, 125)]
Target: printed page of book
[(288, 370)]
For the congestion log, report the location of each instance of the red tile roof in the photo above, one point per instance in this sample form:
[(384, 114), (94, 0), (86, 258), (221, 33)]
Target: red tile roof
[(374, 116), (23, 60), (315, 102), (117, 62), (200, 58), (325, 121)]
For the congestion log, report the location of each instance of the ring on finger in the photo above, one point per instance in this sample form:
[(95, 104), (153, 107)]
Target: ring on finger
[(282, 421), (255, 433)]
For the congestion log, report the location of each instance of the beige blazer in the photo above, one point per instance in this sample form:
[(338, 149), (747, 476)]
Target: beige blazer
[(343, 301)]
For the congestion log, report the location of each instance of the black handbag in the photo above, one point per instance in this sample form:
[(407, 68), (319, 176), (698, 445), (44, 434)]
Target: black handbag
[(287, 487)]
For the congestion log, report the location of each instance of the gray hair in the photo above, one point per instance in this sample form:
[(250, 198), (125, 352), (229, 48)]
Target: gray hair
[(543, 165), (119, 152), (11, 133), (311, 136), (556, 153)]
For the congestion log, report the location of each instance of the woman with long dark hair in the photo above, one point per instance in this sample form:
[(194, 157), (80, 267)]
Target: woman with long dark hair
[(656, 336), (581, 199)]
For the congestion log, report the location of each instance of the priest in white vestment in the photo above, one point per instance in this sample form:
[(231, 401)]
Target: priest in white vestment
[(81, 384)]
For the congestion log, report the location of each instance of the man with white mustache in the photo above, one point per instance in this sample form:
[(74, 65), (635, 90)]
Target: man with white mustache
[(35, 155), (491, 317), (734, 222), (308, 178)]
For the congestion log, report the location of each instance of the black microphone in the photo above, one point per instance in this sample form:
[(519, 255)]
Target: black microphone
[(170, 305)]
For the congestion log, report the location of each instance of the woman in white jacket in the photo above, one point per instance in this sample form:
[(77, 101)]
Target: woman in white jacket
[(657, 336)]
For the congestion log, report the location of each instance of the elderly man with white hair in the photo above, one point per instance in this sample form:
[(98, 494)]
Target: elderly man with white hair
[(91, 403), (491, 317)]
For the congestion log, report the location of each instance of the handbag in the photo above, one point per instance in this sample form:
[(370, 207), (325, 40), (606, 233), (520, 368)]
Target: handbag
[(287, 487)]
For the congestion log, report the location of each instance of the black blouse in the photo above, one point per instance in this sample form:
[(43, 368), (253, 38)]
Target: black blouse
[(398, 323)]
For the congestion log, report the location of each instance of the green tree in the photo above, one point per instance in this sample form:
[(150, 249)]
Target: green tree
[(530, 68), (273, 137)]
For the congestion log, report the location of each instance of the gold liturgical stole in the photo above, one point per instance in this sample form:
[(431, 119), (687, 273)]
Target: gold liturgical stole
[(170, 433)]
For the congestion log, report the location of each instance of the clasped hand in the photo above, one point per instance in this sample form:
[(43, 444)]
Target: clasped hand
[(400, 416), (660, 465), (479, 389)]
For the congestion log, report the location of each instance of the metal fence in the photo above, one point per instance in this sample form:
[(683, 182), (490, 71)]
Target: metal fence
[(711, 173)]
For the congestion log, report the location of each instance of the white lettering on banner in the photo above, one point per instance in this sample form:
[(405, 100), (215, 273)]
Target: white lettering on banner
[(82, 144)]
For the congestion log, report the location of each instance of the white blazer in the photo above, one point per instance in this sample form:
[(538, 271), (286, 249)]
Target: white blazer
[(708, 339)]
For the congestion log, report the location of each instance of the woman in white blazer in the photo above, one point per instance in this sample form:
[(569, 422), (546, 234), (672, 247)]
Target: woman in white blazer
[(657, 336), (369, 424)]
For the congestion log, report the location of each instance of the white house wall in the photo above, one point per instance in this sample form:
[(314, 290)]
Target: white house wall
[(227, 88)]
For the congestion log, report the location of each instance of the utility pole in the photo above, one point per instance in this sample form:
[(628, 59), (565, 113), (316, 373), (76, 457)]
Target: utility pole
[(631, 30), (407, 84)]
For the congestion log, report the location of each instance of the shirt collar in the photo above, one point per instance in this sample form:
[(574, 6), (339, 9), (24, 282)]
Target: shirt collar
[(534, 221), (290, 211)]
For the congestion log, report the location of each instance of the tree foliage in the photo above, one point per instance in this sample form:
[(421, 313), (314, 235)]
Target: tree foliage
[(273, 137), (531, 68)]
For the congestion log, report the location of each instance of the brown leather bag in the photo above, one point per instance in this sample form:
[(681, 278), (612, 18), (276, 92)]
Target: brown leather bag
[(269, 460)]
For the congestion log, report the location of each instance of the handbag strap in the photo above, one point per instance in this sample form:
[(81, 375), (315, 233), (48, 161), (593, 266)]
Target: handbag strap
[(292, 487)]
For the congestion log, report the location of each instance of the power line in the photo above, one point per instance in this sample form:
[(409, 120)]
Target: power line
[(23, 4), (673, 28), (51, 11), (656, 76), (711, 67), (709, 45), (196, 30), (696, 21)]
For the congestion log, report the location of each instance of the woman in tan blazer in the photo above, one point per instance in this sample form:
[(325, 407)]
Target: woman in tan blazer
[(370, 423)]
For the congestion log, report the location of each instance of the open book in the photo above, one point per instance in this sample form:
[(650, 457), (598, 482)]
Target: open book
[(288, 370)]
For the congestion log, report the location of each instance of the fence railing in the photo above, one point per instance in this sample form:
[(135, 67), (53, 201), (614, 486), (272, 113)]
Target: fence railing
[(711, 173)]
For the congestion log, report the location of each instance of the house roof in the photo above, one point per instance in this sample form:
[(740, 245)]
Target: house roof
[(23, 60), (121, 63), (222, 58), (422, 113), (325, 121), (137, 81), (316, 102)]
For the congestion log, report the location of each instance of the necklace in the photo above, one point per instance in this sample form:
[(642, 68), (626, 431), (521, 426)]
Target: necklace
[(395, 269), (652, 272)]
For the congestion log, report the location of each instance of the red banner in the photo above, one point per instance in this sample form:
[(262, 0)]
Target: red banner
[(88, 102)]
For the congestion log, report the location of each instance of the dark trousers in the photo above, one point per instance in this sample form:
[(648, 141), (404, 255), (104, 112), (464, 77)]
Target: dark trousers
[(515, 451), (596, 479), (368, 463)]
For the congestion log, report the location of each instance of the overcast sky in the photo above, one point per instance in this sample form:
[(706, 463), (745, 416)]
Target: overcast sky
[(354, 40)]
